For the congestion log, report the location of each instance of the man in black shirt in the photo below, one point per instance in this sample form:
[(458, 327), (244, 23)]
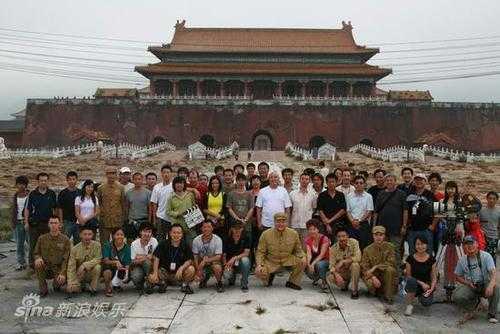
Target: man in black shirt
[(66, 207), (236, 256), (379, 176), (40, 206), (418, 215), (331, 206), (173, 263), (407, 186), (263, 169)]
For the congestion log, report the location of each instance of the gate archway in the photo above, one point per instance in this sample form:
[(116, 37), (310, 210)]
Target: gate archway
[(262, 141)]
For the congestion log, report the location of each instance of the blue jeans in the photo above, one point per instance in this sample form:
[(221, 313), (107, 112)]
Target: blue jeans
[(243, 267), (425, 234), (71, 229), (21, 238), (320, 270)]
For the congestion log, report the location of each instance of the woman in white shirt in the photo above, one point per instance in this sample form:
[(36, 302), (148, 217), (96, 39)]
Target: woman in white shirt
[(87, 206)]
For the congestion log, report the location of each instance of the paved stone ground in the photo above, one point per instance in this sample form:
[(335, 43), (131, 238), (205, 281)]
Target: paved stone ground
[(206, 311)]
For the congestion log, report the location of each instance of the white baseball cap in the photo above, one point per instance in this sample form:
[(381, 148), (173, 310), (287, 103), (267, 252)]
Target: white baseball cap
[(125, 170)]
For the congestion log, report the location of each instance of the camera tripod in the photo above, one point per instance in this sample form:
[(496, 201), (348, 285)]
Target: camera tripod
[(447, 257)]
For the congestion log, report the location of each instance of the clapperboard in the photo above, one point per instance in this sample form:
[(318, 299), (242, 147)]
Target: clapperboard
[(193, 216)]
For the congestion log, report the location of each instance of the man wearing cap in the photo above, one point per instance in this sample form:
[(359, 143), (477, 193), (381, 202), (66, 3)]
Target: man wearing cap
[(378, 266), (280, 247), (111, 197), (418, 214), (51, 257), (477, 274), (345, 256), (84, 264), (141, 253), (124, 178)]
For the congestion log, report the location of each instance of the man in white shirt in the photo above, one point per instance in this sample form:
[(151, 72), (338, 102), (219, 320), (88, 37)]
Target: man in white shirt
[(303, 205), (324, 171), (346, 187), (124, 178), (359, 211), (159, 197), (141, 253), (271, 200)]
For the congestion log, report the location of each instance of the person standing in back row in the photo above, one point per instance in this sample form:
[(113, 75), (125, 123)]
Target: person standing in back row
[(41, 205), (111, 197)]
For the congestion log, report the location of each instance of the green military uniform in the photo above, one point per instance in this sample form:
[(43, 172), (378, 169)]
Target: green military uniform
[(88, 256), (352, 251), (278, 250), (112, 203), (383, 256), (54, 251)]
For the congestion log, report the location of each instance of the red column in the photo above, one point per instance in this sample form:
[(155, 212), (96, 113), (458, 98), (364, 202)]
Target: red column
[(373, 90), (303, 88), (152, 88), (327, 88), (175, 88), (246, 88), (198, 88), (279, 88), (222, 91), (351, 89)]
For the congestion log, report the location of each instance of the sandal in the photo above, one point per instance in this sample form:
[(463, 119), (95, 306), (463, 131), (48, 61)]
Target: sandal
[(109, 292)]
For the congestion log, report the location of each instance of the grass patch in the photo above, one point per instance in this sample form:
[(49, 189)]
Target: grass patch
[(5, 228), (244, 302), (330, 305), (238, 327), (260, 310), (283, 331)]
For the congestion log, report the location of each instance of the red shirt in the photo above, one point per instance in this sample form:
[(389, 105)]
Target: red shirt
[(316, 251)]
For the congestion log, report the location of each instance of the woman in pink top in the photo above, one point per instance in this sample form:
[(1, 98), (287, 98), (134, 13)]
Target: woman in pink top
[(317, 248)]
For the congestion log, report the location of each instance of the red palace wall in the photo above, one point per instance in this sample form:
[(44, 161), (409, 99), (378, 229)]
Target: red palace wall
[(474, 127)]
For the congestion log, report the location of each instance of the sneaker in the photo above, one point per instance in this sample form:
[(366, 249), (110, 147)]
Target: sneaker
[(492, 319), (354, 295), (20, 267), (188, 290), (148, 289), (203, 283), (270, 280), (92, 293), (162, 288), (220, 287), (292, 286), (409, 310), (244, 288)]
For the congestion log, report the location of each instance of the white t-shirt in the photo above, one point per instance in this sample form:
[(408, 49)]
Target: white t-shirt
[(303, 207), (358, 205), (272, 201), (86, 206), (160, 195), (21, 202), (345, 190), (137, 249)]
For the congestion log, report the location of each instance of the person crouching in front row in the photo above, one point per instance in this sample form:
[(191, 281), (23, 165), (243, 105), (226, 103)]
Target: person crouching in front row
[(280, 247), (84, 264), (172, 263)]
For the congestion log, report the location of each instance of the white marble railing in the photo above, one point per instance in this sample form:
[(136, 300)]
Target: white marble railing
[(298, 152), (392, 154), (58, 152), (454, 155), (330, 98), (198, 151), (132, 152), (128, 151)]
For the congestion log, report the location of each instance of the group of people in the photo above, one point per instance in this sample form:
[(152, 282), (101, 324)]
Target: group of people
[(331, 227)]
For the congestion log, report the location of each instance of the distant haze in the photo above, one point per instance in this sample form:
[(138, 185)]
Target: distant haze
[(374, 22)]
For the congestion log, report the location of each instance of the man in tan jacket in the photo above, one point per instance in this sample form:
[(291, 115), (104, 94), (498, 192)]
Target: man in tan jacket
[(280, 247), (111, 197)]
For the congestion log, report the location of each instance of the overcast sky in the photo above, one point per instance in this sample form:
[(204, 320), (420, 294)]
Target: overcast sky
[(375, 22)]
